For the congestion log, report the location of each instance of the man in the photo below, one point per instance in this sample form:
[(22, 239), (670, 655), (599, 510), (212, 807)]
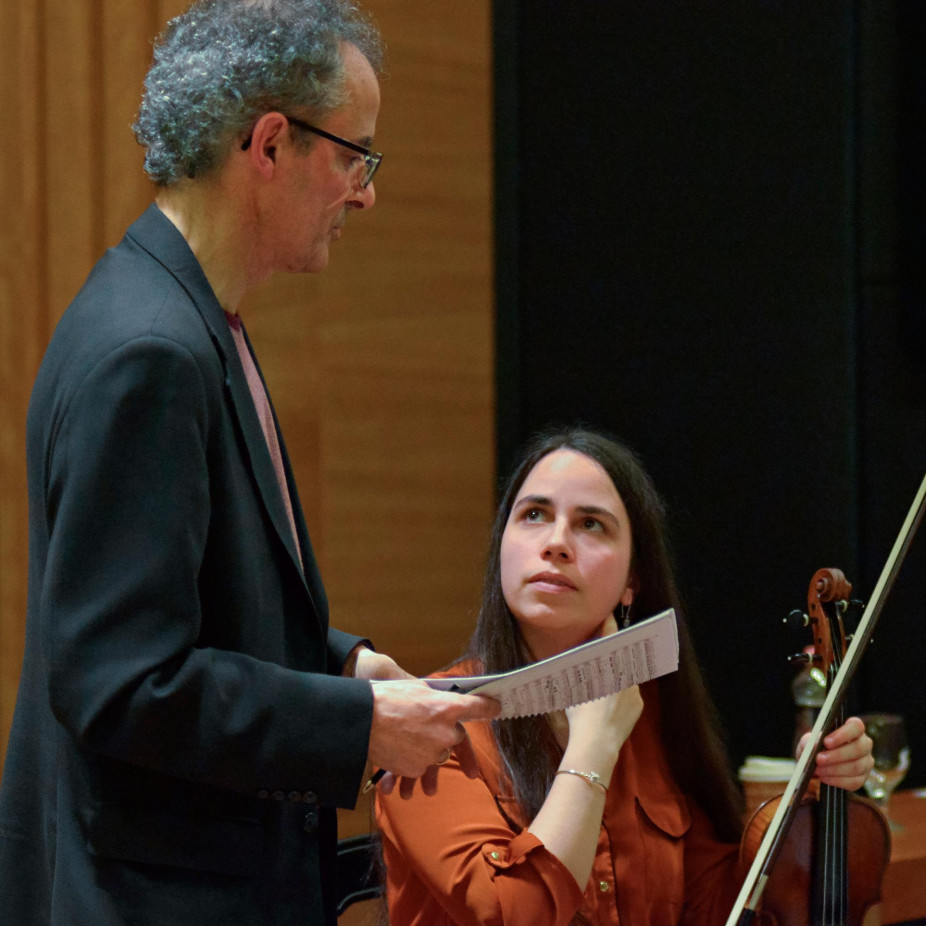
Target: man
[(187, 722)]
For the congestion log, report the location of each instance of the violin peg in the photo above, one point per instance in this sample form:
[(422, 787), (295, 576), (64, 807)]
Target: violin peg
[(796, 620)]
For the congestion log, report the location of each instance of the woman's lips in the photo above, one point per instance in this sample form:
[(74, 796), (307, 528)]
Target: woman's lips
[(552, 580)]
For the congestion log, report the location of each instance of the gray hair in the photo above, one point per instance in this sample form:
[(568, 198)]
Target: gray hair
[(221, 65)]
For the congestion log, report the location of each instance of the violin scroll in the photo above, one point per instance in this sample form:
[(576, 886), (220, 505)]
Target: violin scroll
[(824, 618)]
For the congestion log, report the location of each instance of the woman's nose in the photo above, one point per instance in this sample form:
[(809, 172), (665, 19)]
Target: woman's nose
[(558, 544)]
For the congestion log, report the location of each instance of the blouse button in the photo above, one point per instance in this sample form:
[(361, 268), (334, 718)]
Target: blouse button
[(494, 856), (603, 887)]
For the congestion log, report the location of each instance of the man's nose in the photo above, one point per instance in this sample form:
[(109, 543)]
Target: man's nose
[(365, 196)]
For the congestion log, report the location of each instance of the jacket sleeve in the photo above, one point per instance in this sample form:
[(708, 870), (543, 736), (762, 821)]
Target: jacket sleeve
[(455, 851), (340, 646), (128, 502)]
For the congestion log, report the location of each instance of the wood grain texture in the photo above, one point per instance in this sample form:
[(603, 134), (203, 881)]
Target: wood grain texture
[(23, 299)]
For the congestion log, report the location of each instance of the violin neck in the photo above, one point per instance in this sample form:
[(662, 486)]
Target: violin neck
[(830, 896)]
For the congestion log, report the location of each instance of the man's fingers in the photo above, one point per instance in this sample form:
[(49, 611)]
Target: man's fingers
[(478, 707), (407, 787), (387, 783), (466, 756), (429, 780)]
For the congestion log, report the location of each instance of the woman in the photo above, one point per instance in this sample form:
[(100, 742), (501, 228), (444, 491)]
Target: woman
[(619, 810)]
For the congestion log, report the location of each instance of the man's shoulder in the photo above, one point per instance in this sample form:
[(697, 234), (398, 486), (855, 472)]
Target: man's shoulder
[(129, 303), (129, 296)]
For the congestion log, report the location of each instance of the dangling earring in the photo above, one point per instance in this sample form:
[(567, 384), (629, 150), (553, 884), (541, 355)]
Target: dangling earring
[(625, 615)]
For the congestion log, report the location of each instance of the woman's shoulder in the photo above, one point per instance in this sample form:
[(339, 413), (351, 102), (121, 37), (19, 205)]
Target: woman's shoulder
[(462, 668)]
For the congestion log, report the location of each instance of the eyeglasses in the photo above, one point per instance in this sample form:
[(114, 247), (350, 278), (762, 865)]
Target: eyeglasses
[(371, 158)]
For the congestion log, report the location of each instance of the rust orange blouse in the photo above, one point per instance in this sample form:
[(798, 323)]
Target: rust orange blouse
[(460, 859)]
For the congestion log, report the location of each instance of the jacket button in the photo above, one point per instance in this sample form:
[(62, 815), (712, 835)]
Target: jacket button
[(310, 797), (263, 794), (279, 796), (310, 825), (295, 796)]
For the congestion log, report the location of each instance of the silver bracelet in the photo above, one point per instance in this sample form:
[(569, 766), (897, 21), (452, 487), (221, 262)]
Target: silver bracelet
[(593, 778)]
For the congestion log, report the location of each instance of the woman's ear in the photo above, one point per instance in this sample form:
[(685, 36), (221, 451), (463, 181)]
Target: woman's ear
[(627, 598)]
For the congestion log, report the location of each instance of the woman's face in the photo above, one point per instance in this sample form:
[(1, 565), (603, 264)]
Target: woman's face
[(565, 553)]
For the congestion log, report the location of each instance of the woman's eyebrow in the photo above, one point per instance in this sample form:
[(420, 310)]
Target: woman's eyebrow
[(542, 500)]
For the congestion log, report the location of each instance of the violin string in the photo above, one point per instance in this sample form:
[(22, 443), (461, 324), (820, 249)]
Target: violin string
[(837, 831), (832, 894)]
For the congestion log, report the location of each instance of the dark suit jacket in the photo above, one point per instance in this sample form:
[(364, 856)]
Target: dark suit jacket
[(182, 735)]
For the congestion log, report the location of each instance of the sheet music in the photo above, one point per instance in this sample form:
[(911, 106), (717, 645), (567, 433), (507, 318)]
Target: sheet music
[(636, 654)]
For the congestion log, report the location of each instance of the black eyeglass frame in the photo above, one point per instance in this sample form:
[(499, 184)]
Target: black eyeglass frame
[(371, 158)]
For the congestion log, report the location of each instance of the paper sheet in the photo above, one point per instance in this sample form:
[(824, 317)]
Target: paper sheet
[(643, 651)]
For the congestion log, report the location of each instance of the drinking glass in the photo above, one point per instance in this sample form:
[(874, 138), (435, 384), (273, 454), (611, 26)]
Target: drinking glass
[(892, 758)]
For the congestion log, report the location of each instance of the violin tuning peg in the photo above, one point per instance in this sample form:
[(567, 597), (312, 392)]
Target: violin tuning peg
[(801, 659), (796, 620)]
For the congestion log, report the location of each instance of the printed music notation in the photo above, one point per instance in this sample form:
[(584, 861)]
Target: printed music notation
[(636, 654)]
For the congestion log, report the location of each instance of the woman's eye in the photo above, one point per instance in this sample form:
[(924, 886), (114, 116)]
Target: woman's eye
[(533, 514), (592, 524)]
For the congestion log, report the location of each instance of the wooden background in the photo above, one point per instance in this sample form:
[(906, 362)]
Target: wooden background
[(381, 368)]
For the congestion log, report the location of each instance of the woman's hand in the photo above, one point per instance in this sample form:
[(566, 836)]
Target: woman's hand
[(602, 726), (598, 729), (569, 821), (846, 758)]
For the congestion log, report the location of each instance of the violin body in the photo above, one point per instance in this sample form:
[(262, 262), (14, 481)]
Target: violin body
[(787, 898)]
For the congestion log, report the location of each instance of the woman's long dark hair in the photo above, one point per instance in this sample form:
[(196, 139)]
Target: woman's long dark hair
[(690, 730)]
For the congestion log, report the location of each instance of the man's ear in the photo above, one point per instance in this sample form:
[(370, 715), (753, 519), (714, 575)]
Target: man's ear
[(266, 136)]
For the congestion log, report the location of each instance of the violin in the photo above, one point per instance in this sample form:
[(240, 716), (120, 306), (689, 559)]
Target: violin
[(791, 804), (829, 870)]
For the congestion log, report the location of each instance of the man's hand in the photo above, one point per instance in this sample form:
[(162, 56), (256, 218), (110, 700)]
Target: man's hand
[(415, 729), (370, 665)]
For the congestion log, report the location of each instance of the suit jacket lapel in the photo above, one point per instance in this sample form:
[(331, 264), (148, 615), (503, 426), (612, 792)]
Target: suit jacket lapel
[(154, 232)]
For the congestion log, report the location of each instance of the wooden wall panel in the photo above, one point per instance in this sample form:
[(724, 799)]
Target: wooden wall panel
[(381, 368), (127, 31), (22, 323), (72, 120)]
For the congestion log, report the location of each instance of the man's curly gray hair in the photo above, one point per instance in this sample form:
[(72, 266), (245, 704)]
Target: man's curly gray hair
[(218, 67)]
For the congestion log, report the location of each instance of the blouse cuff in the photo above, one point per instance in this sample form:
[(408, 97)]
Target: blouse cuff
[(559, 887), (504, 855)]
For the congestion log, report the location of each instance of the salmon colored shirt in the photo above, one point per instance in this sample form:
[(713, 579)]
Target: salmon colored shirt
[(459, 859)]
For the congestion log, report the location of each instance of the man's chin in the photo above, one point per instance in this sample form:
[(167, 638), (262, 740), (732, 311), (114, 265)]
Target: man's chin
[(315, 264)]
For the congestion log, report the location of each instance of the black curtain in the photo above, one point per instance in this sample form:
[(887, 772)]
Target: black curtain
[(709, 239)]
